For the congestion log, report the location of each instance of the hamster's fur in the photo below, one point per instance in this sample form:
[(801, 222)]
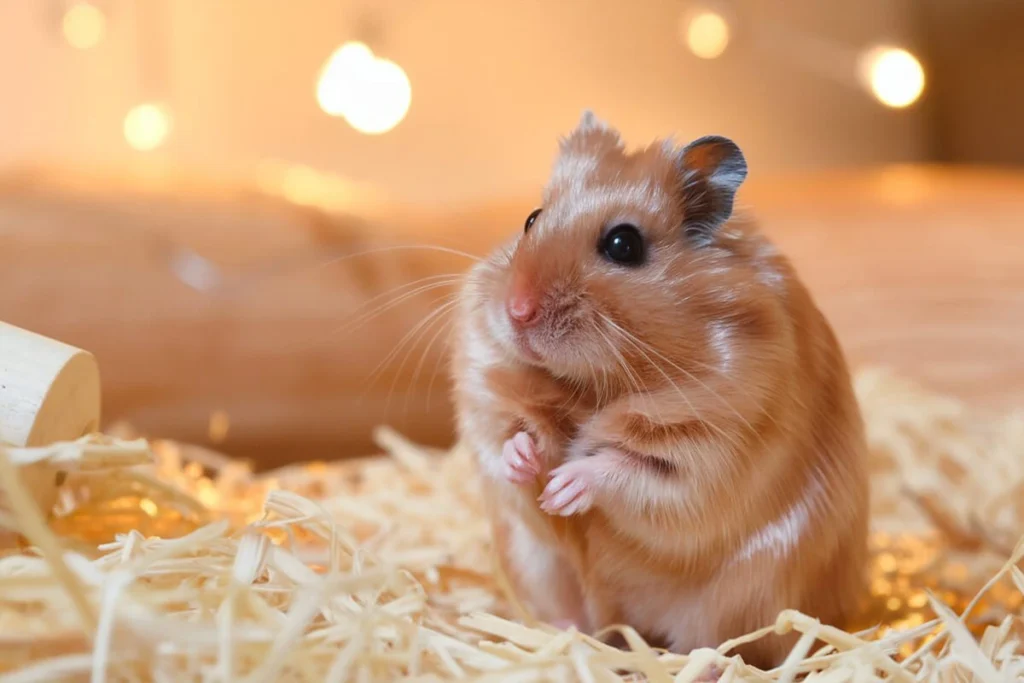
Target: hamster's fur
[(669, 440)]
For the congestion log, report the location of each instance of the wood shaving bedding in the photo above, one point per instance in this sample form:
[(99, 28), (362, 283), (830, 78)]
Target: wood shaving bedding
[(164, 562)]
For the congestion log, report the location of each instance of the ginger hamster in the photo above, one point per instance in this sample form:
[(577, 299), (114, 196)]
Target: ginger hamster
[(664, 422)]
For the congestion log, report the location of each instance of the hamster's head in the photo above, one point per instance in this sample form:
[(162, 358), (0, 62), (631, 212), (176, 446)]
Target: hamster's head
[(625, 253)]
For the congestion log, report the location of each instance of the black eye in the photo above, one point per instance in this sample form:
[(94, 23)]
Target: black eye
[(623, 244), (530, 219)]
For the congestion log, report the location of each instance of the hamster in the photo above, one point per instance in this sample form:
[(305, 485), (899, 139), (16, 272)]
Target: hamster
[(663, 420)]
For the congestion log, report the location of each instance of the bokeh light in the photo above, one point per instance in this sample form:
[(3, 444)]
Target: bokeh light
[(895, 76), (146, 126), (83, 25), (337, 83), (384, 95), (706, 34), (372, 94)]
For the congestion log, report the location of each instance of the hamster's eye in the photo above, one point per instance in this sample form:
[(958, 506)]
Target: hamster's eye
[(623, 244), (530, 219)]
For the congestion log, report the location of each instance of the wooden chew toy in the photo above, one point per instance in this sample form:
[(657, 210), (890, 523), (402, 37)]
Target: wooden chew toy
[(49, 392)]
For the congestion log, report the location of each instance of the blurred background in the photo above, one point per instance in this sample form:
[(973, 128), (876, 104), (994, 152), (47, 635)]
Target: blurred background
[(229, 202)]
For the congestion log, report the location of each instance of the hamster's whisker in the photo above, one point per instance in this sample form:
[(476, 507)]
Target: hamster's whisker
[(581, 387), (575, 396), (398, 301), (601, 381), (367, 316), (396, 247), (636, 343), (440, 304), (445, 325), (439, 277), (694, 378), (734, 385), (413, 288), (628, 338), (434, 318), (442, 357), (640, 391), (444, 304), (306, 263), (621, 362), (422, 330), (598, 381)]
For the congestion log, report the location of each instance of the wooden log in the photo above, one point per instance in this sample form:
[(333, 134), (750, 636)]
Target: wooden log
[(49, 392)]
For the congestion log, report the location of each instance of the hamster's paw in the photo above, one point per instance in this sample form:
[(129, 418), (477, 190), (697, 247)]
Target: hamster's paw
[(570, 490), (521, 459)]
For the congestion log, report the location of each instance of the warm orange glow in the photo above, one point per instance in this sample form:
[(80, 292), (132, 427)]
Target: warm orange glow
[(146, 126), (83, 25), (707, 35), (301, 184), (895, 76), (370, 93)]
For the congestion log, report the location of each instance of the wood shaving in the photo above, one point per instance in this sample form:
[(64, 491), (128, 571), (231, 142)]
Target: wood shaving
[(177, 564)]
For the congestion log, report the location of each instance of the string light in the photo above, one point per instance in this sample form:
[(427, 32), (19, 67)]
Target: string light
[(146, 126), (706, 34), (83, 25), (372, 94), (894, 76)]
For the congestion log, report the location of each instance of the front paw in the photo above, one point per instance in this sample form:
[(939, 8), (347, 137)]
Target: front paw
[(570, 490), (520, 459)]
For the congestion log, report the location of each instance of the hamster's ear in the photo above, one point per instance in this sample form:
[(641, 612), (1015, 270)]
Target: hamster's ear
[(591, 133), (712, 170)]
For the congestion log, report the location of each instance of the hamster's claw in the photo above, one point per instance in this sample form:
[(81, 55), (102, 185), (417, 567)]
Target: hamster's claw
[(570, 490), (522, 461)]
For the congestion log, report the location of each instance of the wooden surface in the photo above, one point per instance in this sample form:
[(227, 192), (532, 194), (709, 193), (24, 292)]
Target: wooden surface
[(920, 269), (92, 261)]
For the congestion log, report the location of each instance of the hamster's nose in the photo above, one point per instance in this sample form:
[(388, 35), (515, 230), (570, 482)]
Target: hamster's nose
[(522, 304)]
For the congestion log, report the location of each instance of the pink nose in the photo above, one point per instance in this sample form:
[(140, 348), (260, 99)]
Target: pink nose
[(522, 303)]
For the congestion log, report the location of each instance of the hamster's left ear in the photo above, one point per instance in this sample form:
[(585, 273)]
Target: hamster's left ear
[(712, 170)]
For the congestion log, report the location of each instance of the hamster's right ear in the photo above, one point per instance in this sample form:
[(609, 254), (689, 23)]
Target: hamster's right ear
[(712, 170)]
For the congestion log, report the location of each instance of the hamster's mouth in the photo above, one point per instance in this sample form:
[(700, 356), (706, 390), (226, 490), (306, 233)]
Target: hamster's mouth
[(523, 346)]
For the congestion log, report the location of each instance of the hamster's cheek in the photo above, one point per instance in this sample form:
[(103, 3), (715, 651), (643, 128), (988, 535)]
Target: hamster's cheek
[(498, 328)]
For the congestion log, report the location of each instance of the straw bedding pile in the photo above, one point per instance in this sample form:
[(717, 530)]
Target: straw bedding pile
[(169, 563)]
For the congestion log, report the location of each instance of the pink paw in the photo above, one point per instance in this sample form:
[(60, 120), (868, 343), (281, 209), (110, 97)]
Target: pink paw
[(570, 489), (521, 459)]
